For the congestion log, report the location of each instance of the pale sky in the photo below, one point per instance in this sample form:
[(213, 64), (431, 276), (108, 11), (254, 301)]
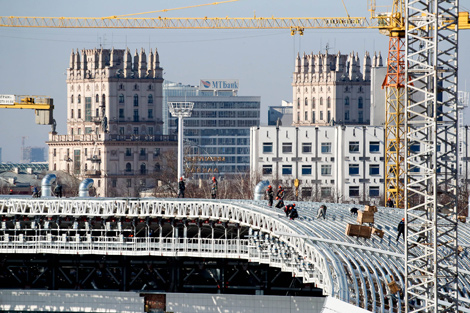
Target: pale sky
[(34, 61)]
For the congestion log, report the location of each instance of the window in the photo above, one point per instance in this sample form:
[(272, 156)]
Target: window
[(56, 153), (267, 169), (128, 167), (71, 113), (150, 113), (321, 115), (136, 100), (143, 151), (328, 117), (129, 183), (346, 115), (325, 192), (306, 116), (306, 192), (306, 101), (79, 113), (353, 169), (286, 147), (79, 99), (374, 191), (360, 103), (121, 98), (374, 169), (415, 147), (298, 103), (326, 169), (87, 109), (150, 130), (114, 183), (121, 130), (328, 103), (136, 115), (354, 191), (306, 170), (157, 168), (103, 99), (143, 169), (287, 170), (121, 113), (321, 101), (313, 116), (71, 99), (360, 117), (415, 169), (346, 101), (307, 147), (156, 152), (97, 98), (374, 146), (267, 147), (150, 99), (97, 112), (313, 103), (128, 152), (136, 130), (354, 146), (326, 147)]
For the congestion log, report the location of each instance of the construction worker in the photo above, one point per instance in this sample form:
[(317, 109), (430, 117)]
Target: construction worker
[(322, 211), (401, 228), (293, 213), (214, 188), (270, 195), (58, 190), (288, 209), (280, 197), (390, 203), (181, 188)]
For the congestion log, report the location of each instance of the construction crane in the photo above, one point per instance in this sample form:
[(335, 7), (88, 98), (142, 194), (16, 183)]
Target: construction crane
[(421, 108), (43, 107)]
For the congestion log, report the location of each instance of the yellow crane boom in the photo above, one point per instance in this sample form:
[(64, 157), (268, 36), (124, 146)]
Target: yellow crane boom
[(43, 106)]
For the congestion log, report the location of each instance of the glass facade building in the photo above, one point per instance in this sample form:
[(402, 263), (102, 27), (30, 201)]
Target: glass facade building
[(217, 135)]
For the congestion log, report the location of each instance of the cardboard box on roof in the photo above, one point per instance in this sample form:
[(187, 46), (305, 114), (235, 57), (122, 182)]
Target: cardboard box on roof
[(370, 208), (365, 217)]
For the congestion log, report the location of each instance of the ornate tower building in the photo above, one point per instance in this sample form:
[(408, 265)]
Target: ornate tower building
[(114, 121), (330, 88)]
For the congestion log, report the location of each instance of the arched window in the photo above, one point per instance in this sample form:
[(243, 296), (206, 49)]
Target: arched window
[(136, 100), (298, 102), (306, 102), (79, 99), (157, 167), (71, 99), (321, 101), (313, 103), (121, 98), (328, 102), (346, 101), (97, 98), (143, 169), (150, 99), (103, 101), (359, 103), (128, 167)]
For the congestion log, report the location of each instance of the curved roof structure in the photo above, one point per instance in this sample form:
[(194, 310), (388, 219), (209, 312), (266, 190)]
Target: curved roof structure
[(353, 269)]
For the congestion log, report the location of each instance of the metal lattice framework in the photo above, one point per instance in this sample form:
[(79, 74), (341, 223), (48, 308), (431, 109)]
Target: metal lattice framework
[(355, 270), (431, 184)]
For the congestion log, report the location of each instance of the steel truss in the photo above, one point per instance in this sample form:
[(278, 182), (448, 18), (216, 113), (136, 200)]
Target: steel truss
[(431, 182), (164, 274)]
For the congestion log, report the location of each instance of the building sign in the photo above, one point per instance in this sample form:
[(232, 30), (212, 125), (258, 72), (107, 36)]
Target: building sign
[(7, 99), (218, 84)]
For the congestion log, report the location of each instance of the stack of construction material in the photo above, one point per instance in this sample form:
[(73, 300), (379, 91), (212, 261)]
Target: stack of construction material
[(365, 217), (370, 208), (358, 230)]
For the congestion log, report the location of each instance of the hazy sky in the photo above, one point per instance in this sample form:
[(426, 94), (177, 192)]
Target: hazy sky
[(34, 61)]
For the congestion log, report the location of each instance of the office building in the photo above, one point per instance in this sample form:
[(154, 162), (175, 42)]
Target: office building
[(217, 135)]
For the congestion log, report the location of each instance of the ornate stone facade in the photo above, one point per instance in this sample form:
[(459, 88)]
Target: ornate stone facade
[(330, 88), (114, 121)]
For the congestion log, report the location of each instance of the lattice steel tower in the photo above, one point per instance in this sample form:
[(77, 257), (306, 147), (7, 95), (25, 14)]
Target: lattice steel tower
[(431, 177)]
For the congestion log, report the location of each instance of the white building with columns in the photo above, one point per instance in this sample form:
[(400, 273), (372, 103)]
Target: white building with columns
[(114, 121), (331, 89)]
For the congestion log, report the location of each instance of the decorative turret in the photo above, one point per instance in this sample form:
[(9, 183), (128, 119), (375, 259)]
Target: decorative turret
[(297, 64), (380, 63), (311, 64), (127, 64), (101, 62), (367, 66), (135, 68), (77, 60), (112, 58), (142, 64), (303, 64), (150, 70), (72, 60), (84, 64)]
